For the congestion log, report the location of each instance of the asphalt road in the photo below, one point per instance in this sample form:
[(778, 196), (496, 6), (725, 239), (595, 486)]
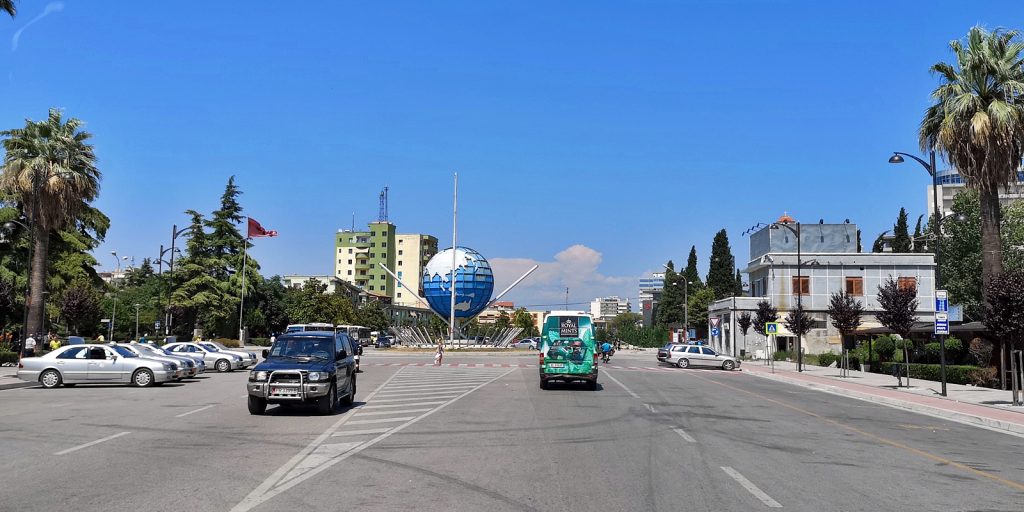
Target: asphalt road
[(487, 438)]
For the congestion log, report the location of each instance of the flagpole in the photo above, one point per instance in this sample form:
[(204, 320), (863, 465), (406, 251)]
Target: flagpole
[(241, 305), (455, 245)]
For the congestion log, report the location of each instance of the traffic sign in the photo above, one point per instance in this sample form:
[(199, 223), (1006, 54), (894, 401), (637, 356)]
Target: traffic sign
[(941, 301), (771, 328), (692, 334), (715, 321), (714, 331), (941, 323)]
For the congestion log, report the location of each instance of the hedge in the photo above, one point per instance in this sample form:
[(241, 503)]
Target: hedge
[(955, 374), (8, 357)]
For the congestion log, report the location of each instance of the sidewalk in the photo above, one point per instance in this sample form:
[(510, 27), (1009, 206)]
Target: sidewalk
[(966, 404), (9, 378)]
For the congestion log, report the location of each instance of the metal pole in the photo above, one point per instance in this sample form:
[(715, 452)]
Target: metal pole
[(112, 318), (686, 308), (799, 305), (938, 246), (455, 251), (241, 304), (136, 322), (170, 282)]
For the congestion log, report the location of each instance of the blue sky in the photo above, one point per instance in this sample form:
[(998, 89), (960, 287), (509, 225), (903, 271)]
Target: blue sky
[(612, 134)]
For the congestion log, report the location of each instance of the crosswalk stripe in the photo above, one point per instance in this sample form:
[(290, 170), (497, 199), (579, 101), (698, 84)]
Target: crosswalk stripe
[(382, 420), (361, 432), (376, 400), (389, 406), (379, 413)]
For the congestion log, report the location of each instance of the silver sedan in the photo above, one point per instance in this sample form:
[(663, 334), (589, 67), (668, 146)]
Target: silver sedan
[(248, 358), (221, 361), (686, 356), (95, 364), (188, 365)]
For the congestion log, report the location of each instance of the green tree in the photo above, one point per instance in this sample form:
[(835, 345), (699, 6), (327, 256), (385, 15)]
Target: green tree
[(879, 244), (670, 308), (8, 7), (899, 307), (524, 320), (920, 245), (624, 322), (699, 303), (502, 322), (976, 123), (845, 312), (720, 270), (766, 313), (901, 242), (744, 320), (799, 322), (371, 314), (51, 166), (738, 291), (1004, 315), (690, 274), (80, 307)]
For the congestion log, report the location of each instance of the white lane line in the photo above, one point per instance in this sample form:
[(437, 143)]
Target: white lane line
[(411, 399), (623, 386), (748, 485), (465, 380), (268, 490), (360, 432), (380, 413), (401, 405), (433, 386), (423, 394), (93, 443), (430, 388), (682, 433), (380, 420), (201, 409)]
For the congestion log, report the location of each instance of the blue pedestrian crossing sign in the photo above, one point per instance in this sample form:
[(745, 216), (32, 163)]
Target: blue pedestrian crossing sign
[(771, 328), (714, 331)]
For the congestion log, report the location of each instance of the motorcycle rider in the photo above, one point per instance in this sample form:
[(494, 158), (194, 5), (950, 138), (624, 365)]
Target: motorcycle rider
[(606, 351)]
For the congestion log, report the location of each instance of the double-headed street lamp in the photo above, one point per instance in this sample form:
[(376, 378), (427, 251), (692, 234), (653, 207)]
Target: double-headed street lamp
[(175, 233), (799, 291), (897, 158)]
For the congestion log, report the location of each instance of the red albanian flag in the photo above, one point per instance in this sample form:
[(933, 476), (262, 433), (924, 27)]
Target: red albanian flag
[(256, 230)]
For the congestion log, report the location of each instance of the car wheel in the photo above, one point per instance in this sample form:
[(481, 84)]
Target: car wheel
[(350, 398), (592, 385), (50, 379), (683, 363), (728, 365), (543, 384), (223, 365), (257, 405), (326, 404), (142, 378)]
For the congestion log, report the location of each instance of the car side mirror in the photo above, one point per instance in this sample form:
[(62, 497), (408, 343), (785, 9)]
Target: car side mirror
[(265, 353)]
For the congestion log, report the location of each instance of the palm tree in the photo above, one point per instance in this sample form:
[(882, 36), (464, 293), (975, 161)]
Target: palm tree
[(50, 167), (8, 6), (977, 124)]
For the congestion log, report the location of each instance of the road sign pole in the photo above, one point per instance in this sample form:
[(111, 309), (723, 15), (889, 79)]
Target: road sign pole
[(942, 330)]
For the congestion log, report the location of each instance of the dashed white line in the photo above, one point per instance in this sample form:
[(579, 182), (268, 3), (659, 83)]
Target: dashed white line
[(748, 485), (201, 409), (623, 386), (682, 433), (92, 443)]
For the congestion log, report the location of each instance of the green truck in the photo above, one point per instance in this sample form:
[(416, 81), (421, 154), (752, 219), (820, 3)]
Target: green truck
[(568, 351)]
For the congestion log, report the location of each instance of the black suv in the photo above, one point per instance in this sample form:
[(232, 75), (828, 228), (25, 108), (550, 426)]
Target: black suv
[(313, 368)]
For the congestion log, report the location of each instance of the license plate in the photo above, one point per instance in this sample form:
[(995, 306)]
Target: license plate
[(282, 391), (556, 365)]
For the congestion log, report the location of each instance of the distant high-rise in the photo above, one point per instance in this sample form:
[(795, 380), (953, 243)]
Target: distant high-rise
[(360, 254)]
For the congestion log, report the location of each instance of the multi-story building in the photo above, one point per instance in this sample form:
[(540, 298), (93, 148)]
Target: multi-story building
[(951, 184), (491, 314), (359, 256), (606, 308), (650, 293), (829, 263), (412, 254)]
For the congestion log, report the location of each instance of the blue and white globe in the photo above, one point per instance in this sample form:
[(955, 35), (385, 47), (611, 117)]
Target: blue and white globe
[(473, 281)]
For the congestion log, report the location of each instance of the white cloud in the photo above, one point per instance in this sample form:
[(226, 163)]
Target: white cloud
[(51, 7), (577, 268)]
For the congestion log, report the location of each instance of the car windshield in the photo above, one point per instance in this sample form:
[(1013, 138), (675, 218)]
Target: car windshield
[(124, 352), (302, 348)]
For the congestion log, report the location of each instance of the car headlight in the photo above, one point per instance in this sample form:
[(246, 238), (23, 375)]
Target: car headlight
[(252, 355), (237, 358), (318, 376), (260, 376), (167, 367)]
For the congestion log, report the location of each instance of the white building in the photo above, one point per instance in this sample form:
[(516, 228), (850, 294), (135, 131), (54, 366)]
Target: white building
[(951, 184), (413, 253), (607, 308), (298, 281), (829, 264)]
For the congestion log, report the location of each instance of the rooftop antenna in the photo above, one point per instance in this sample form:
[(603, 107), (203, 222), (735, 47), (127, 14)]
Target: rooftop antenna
[(353, 221), (383, 215)]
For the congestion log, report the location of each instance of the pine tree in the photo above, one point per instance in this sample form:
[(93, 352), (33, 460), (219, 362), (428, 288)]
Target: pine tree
[(901, 241), (690, 274), (670, 308), (720, 270), (738, 291), (918, 242)]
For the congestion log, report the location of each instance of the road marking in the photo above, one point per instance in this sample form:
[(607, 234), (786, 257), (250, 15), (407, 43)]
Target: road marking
[(403, 411), (401, 405), (380, 420), (360, 432), (748, 485), (280, 482), (421, 394), (437, 385), (93, 443), (650, 408), (623, 386), (682, 433), (411, 399), (896, 444), (182, 415)]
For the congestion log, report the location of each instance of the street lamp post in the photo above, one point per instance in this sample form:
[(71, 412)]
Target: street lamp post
[(686, 308), (799, 292), (175, 233), (897, 158), (137, 322)]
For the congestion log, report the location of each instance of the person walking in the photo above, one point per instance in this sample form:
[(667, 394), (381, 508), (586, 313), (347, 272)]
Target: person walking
[(54, 342), (30, 346), (439, 354), (100, 338)]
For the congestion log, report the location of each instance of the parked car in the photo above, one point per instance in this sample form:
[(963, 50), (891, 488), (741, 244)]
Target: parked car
[(526, 343), (187, 365), (196, 358), (383, 342), (198, 366), (248, 358), (95, 364), (305, 368), (685, 356), (664, 351), (221, 361)]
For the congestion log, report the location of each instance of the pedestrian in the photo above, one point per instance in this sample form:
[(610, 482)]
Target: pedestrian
[(100, 339), (439, 354), (54, 343), (30, 346), (359, 351)]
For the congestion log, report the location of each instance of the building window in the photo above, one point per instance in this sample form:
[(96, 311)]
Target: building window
[(399, 295), (339, 250), (349, 272), (855, 285), (350, 250), (372, 255), (373, 244), (907, 283), (373, 233), (349, 262), (399, 263), (400, 241), (371, 288), (802, 285), (383, 244), (372, 265), (399, 252)]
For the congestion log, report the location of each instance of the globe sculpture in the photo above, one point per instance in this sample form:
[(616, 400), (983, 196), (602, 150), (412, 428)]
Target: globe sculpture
[(472, 278)]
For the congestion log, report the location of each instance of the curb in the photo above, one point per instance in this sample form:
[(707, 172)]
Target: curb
[(990, 423), (16, 385)]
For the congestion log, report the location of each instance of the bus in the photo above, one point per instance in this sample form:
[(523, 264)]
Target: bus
[(358, 334), (310, 327), (568, 350)]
